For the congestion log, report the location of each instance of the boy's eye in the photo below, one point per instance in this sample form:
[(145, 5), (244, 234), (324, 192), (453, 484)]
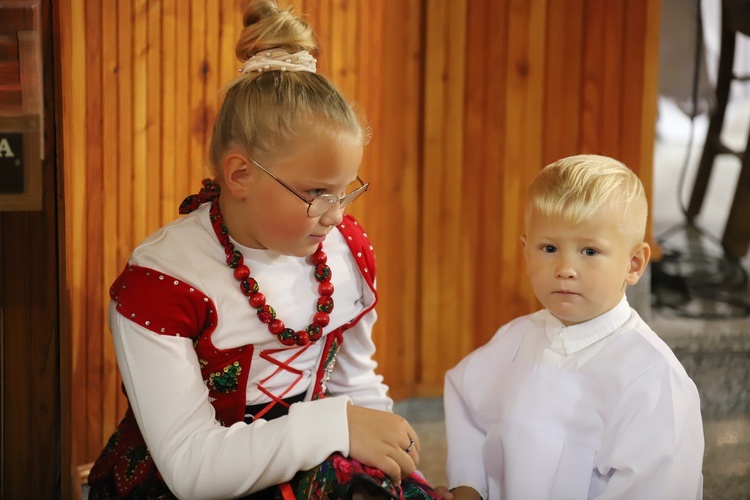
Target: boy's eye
[(549, 249), (589, 252)]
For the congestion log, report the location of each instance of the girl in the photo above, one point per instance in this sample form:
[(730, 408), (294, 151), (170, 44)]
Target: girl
[(227, 322)]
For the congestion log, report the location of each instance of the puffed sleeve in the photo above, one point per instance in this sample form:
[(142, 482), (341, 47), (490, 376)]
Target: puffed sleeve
[(654, 447), (465, 439)]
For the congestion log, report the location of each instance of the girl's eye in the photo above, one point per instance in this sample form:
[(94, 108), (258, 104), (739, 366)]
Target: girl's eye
[(316, 192), (589, 252), (549, 249)]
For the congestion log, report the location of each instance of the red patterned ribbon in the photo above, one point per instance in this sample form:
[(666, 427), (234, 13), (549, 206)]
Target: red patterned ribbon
[(208, 193)]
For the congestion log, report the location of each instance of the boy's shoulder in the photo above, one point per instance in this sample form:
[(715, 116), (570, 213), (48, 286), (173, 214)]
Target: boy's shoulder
[(638, 349), (504, 339)]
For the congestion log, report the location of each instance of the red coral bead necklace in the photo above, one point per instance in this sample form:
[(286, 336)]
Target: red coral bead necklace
[(266, 313)]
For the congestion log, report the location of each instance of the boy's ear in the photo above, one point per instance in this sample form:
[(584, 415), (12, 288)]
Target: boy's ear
[(638, 263), (523, 242), (236, 174)]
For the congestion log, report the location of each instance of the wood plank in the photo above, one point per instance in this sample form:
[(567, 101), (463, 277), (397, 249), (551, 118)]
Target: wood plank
[(393, 112), (443, 308), (563, 80), (638, 128), (613, 107), (524, 97), (593, 60), (109, 91), (74, 153), (168, 92), (124, 196), (139, 105), (182, 173), (152, 126), (211, 66), (197, 96), (94, 243)]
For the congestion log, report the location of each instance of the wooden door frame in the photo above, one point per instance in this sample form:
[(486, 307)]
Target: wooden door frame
[(35, 445)]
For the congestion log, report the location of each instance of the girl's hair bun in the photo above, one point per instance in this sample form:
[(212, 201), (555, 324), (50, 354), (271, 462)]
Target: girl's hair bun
[(266, 27)]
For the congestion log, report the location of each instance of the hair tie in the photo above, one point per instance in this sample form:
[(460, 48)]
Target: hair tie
[(208, 193), (279, 60)]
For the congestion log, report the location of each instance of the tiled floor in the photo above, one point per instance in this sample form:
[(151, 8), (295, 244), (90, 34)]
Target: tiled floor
[(715, 352)]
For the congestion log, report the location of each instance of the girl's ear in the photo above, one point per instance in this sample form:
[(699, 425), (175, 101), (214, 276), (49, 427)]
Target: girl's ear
[(638, 263), (236, 174)]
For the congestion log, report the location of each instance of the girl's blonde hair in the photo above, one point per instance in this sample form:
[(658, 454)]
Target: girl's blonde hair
[(576, 187), (267, 110)]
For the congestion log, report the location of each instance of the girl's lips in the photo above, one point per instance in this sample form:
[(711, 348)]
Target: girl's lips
[(318, 237)]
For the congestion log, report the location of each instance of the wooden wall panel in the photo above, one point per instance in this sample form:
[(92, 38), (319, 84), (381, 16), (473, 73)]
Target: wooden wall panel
[(467, 100), (444, 296)]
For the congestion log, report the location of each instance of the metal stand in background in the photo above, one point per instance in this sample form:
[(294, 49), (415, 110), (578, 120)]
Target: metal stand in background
[(692, 282), (735, 20)]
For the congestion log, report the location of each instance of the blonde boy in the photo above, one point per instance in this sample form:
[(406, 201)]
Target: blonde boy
[(581, 399)]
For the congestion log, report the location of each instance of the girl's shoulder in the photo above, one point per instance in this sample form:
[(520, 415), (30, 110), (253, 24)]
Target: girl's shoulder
[(359, 245)]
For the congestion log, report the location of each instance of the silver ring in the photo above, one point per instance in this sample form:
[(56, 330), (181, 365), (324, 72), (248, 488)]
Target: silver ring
[(411, 446)]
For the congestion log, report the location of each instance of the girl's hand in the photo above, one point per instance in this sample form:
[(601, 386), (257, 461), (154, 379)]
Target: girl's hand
[(380, 439)]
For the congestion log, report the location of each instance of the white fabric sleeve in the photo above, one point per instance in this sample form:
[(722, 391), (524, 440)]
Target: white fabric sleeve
[(354, 373), (198, 457), (654, 449), (464, 438)]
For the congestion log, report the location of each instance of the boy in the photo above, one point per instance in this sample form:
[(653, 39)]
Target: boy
[(582, 399)]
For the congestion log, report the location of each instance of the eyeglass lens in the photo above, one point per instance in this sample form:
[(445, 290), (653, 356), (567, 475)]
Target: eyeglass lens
[(321, 204)]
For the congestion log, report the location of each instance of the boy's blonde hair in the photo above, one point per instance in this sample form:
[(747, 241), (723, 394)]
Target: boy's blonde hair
[(576, 187), (268, 110)]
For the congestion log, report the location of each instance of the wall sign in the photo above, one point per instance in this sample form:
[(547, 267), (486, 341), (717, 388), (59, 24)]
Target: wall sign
[(11, 163), (21, 107)]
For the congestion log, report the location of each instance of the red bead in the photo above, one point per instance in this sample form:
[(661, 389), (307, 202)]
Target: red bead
[(321, 319), (302, 338), (325, 288), (287, 337), (314, 331), (249, 286), (276, 326), (325, 304), (257, 300), (319, 257), (266, 314), (322, 273), (241, 272)]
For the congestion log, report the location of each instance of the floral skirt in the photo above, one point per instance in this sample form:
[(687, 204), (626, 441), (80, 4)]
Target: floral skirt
[(336, 478), (341, 477)]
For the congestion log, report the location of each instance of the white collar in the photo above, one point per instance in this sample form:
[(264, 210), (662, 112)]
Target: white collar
[(574, 338)]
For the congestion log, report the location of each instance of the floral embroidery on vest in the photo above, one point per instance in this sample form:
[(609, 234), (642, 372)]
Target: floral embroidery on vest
[(226, 380)]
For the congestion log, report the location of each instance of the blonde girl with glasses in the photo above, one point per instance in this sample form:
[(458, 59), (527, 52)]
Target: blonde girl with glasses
[(243, 329)]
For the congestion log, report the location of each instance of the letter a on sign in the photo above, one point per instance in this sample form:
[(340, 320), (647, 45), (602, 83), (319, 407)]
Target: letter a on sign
[(5, 150), (11, 163)]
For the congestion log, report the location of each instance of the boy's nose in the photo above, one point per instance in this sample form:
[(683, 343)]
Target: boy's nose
[(566, 271)]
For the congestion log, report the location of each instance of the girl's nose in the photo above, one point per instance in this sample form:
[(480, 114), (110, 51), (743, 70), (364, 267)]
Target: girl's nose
[(333, 216)]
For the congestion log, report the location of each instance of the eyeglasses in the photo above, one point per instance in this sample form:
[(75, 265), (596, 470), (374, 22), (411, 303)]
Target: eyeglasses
[(324, 202)]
